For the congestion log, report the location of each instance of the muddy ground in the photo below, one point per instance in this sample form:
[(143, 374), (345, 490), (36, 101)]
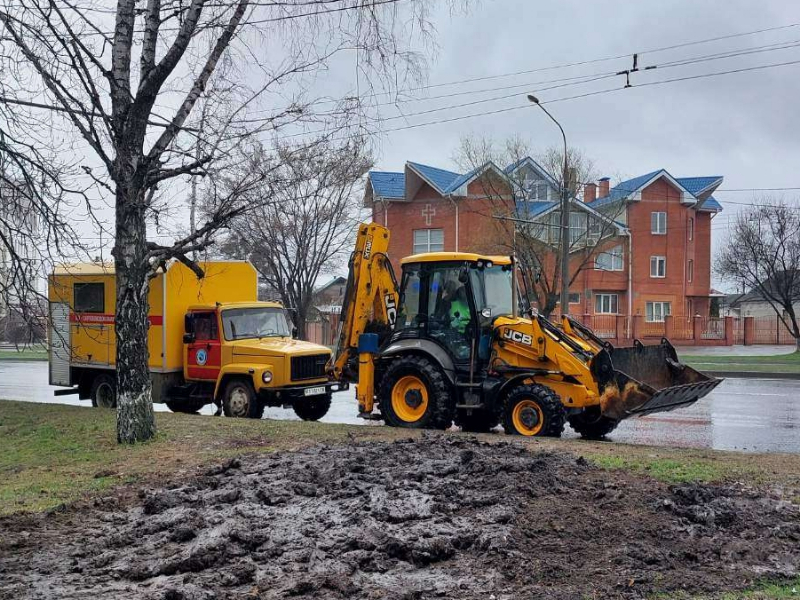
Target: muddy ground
[(443, 516)]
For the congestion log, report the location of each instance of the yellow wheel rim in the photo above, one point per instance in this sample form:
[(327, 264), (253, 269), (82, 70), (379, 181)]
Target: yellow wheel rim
[(527, 417), (409, 399)]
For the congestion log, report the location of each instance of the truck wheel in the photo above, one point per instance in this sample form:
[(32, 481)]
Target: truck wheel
[(533, 410), (189, 407), (480, 421), (414, 394), (240, 400), (313, 408), (591, 425), (104, 391)]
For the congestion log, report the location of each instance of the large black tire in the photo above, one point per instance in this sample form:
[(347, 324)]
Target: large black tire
[(480, 421), (313, 408), (189, 407), (104, 391), (427, 402), (591, 425), (239, 400), (533, 410)]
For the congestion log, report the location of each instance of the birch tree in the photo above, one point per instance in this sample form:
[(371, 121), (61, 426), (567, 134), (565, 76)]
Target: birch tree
[(125, 80)]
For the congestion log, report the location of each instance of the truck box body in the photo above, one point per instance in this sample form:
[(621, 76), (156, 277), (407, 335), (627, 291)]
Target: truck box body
[(83, 304)]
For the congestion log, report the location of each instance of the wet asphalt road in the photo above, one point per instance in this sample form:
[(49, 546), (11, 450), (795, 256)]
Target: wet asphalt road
[(752, 415)]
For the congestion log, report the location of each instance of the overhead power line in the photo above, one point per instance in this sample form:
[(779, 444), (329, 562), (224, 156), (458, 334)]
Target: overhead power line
[(597, 60)]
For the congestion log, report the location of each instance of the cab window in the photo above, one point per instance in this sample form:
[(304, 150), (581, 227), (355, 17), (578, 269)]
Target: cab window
[(408, 316), (205, 326)]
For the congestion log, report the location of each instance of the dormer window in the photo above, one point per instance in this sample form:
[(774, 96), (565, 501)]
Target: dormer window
[(534, 188)]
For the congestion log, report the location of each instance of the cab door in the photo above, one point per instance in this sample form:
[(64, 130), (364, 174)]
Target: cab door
[(203, 347)]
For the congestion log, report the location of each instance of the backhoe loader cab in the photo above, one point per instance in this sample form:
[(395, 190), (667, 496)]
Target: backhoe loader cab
[(452, 299), (446, 345)]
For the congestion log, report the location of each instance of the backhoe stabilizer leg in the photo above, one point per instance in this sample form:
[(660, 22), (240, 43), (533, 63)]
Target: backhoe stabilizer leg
[(365, 390)]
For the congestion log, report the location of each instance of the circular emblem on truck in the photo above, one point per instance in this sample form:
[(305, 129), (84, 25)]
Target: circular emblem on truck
[(202, 357)]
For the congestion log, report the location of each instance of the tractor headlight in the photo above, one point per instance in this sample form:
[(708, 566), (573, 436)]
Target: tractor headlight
[(266, 376)]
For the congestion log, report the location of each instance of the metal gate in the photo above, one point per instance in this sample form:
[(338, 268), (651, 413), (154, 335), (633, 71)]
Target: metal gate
[(59, 344)]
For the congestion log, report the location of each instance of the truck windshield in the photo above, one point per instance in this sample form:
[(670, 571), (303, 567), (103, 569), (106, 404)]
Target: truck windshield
[(493, 289), (241, 323)]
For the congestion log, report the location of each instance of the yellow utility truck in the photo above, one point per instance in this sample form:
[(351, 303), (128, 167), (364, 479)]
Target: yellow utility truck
[(209, 340), (448, 345)]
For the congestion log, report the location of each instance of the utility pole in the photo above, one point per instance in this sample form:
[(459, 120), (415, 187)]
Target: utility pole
[(564, 214)]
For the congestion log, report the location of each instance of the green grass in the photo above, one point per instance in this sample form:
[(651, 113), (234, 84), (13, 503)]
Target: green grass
[(776, 363), (764, 591), (52, 454), (27, 354), (665, 469)]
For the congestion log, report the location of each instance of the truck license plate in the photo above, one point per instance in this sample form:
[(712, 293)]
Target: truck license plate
[(315, 391)]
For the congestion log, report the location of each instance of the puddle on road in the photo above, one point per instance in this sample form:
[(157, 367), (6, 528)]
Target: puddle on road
[(752, 415)]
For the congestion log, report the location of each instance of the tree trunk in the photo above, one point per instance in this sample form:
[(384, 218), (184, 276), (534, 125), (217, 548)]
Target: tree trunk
[(300, 322), (135, 418)]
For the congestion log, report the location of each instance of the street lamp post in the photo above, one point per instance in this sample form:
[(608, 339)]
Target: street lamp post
[(564, 215)]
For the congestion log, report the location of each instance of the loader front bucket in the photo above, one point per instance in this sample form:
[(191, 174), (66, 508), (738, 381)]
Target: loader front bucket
[(643, 380)]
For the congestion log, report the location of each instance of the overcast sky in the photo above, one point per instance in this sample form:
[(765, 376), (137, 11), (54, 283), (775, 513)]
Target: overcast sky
[(743, 126)]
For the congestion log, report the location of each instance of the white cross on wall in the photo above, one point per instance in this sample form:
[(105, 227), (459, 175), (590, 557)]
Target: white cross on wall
[(428, 212)]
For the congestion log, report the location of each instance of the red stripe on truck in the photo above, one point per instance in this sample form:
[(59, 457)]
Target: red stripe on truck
[(103, 319)]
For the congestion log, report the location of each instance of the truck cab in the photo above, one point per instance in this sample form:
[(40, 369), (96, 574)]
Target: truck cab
[(242, 356)]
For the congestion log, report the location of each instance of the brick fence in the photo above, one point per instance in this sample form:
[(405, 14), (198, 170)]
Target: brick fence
[(690, 331), (622, 330)]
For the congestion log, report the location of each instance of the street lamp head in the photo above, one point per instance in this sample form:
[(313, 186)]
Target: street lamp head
[(533, 99)]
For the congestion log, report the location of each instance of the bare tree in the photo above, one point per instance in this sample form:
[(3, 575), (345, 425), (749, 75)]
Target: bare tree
[(301, 233), (125, 82), (520, 219), (762, 252)]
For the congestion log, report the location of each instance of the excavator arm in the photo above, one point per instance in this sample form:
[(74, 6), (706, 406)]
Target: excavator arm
[(369, 307)]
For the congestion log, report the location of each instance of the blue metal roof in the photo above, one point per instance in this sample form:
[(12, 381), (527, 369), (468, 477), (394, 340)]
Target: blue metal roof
[(462, 179), (533, 208), (695, 185), (711, 204), (441, 179), (388, 185), (624, 189)]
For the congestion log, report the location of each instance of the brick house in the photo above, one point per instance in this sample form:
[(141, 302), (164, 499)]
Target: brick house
[(663, 222)]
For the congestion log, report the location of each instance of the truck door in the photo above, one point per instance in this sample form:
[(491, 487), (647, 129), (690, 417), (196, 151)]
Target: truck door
[(203, 352)]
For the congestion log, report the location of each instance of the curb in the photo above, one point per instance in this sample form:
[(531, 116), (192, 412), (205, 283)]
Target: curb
[(751, 375)]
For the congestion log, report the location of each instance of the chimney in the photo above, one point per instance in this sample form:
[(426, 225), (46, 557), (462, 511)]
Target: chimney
[(604, 185), (589, 192)]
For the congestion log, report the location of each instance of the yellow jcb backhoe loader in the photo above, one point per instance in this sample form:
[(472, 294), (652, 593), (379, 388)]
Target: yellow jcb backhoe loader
[(448, 346)]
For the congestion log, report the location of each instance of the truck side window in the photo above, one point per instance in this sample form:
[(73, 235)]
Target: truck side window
[(89, 297), (205, 326)]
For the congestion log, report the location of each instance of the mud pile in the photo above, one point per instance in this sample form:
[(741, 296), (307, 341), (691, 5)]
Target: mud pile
[(440, 517)]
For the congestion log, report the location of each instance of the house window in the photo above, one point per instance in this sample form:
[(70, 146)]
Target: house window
[(691, 228), (595, 228), (428, 240), (574, 298), (606, 304), (658, 266), (609, 260), (89, 298), (577, 226), (656, 311), (690, 271), (658, 223), (535, 189)]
